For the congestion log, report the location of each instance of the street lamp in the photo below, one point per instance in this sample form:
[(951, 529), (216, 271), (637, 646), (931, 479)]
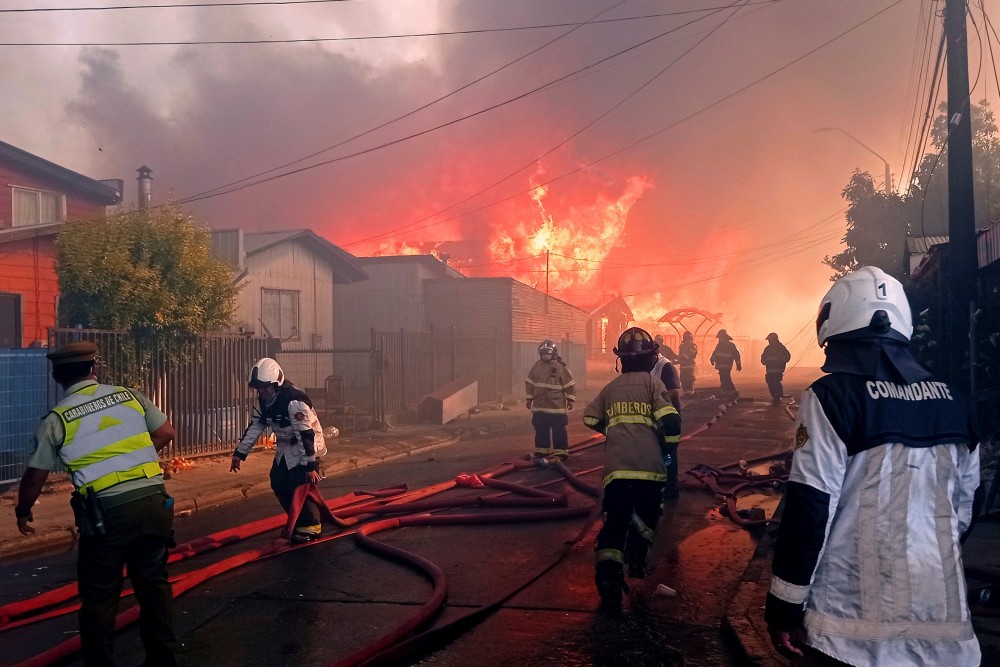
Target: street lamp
[(888, 174)]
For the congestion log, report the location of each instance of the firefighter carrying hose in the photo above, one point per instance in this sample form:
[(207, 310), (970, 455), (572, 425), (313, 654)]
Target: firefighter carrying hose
[(549, 394), (288, 412), (634, 413)]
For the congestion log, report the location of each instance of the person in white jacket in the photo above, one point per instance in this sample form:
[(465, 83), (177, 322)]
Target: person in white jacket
[(299, 442), (867, 565)]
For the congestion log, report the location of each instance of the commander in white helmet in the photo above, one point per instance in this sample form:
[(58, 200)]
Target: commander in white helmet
[(299, 443), (867, 565)]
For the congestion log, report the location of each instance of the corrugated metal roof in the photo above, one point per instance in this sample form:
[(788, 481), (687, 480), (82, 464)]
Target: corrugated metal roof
[(918, 244), (346, 269)]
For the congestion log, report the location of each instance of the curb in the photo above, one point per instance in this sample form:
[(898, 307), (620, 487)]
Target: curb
[(55, 538)]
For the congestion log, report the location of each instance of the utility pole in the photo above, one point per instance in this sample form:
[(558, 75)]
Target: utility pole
[(963, 261), (547, 280)]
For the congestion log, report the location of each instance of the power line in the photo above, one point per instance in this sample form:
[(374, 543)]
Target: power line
[(194, 5), (431, 129), (569, 138), (356, 38), (647, 137)]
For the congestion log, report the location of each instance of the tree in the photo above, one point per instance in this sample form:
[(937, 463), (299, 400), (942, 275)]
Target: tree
[(878, 223), (147, 272)]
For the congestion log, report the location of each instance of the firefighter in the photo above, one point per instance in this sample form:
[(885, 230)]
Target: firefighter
[(723, 358), (868, 562), (774, 358), (634, 413), (299, 443), (687, 353), (664, 371), (108, 438), (549, 393)]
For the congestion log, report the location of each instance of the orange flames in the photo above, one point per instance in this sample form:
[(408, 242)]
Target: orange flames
[(575, 245)]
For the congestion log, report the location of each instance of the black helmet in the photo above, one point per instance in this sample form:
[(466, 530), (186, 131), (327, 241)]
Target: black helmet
[(635, 342), (688, 335), (547, 350)]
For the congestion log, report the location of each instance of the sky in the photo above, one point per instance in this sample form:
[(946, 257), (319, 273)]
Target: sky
[(664, 151)]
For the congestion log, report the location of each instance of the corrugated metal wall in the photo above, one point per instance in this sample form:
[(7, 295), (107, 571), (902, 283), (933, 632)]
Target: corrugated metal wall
[(536, 317), (26, 394), (391, 298)]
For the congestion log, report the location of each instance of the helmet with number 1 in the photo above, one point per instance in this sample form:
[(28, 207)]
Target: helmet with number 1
[(265, 372), (868, 303), (547, 350)]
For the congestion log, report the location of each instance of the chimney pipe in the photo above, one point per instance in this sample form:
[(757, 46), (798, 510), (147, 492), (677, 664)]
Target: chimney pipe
[(145, 187)]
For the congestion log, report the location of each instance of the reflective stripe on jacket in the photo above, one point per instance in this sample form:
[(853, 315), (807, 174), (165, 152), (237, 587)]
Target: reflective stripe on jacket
[(775, 357), (106, 440), (686, 354), (550, 387), (880, 490), (725, 354), (628, 410)]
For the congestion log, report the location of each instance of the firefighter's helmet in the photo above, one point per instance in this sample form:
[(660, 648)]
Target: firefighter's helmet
[(547, 350), (868, 303), (266, 371), (723, 335), (635, 342), (773, 337), (688, 336)]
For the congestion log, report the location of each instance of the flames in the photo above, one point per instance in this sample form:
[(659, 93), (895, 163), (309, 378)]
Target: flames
[(565, 250)]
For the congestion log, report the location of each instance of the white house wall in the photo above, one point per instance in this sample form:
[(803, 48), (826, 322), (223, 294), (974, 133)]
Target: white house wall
[(290, 266)]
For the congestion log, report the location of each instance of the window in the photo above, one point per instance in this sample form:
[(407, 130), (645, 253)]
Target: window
[(280, 312), (37, 207)]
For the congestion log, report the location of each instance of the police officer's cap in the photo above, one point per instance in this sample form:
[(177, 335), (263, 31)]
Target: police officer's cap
[(72, 353)]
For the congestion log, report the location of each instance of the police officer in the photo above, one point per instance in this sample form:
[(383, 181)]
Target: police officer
[(549, 392), (687, 353), (774, 358), (723, 358), (108, 439), (868, 566), (640, 424), (299, 442)]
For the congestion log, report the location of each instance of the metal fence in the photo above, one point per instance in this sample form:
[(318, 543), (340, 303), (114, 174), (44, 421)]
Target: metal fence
[(26, 394), (400, 367), (200, 383)]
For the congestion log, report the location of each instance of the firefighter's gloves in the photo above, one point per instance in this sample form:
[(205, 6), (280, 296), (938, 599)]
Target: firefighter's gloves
[(312, 476), (569, 405), (23, 519), (739, 367), (527, 404), (234, 465)]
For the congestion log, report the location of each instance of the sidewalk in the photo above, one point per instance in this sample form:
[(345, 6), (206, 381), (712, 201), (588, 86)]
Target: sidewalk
[(208, 482)]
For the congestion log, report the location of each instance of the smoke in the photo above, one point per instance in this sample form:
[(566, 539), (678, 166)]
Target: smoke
[(734, 214)]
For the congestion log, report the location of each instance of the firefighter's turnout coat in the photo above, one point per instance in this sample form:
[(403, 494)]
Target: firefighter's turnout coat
[(550, 387), (297, 431), (634, 414), (868, 557)]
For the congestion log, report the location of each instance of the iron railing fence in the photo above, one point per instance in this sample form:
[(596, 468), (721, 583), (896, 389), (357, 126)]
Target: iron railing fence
[(200, 383)]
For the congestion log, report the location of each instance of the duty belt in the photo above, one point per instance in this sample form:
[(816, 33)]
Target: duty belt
[(119, 499)]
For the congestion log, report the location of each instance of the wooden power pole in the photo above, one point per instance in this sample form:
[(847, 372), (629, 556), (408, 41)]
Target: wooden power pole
[(963, 258)]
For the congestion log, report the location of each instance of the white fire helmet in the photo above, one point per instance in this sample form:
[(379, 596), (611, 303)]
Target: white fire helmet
[(266, 371), (547, 350), (866, 303)]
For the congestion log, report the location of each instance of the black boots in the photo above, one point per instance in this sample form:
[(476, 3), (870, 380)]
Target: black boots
[(610, 580)]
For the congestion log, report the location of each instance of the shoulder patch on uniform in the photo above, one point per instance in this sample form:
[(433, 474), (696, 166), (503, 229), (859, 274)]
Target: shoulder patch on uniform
[(300, 416), (801, 436)]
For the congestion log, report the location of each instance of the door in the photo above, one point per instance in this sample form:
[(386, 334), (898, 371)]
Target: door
[(10, 320)]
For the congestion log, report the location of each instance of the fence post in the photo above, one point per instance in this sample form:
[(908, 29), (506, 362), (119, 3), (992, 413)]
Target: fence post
[(454, 354), (433, 360)]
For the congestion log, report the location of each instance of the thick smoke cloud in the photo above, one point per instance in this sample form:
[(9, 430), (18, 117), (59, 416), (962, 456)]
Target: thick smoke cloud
[(741, 198)]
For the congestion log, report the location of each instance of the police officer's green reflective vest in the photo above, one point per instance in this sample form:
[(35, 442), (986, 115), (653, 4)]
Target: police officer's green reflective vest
[(106, 439)]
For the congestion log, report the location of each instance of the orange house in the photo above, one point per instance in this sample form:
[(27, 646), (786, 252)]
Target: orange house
[(37, 198)]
